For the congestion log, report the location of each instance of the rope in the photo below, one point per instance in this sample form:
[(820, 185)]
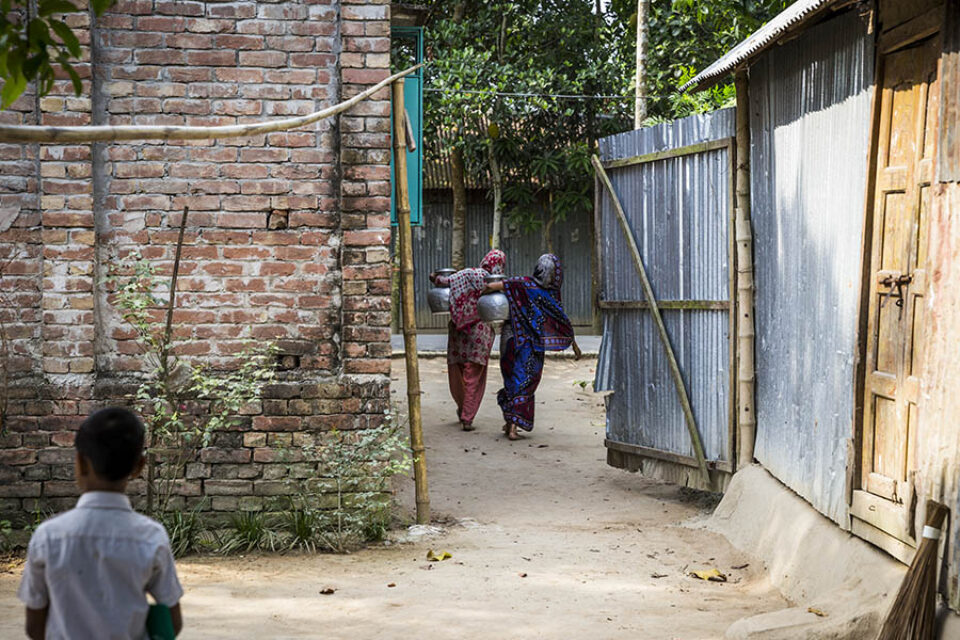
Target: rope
[(84, 134)]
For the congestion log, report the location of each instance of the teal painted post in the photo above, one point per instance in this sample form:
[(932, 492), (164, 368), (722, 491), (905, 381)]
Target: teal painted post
[(413, 99)]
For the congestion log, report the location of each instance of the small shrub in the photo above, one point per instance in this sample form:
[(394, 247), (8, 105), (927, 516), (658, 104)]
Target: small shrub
[(303, 525), (184, 528), (6, 533), (250, 531), (353, 470), (183, 402)]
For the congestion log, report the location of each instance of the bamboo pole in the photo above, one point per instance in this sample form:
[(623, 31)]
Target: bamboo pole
[(746, 373), (407, 305), (678, 382), (37, 133)]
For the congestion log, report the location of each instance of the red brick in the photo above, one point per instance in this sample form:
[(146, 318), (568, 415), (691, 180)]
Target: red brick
[(16, 457)]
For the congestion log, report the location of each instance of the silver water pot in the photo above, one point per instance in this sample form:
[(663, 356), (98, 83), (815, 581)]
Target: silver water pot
[(494, 308), (438, 297)]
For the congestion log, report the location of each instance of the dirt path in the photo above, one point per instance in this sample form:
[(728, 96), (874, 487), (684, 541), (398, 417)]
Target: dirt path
[(547, 542)]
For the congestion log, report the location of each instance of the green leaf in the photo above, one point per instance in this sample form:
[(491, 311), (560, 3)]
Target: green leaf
[(69, 39), (13, 88), (99, 6), (49, 7)]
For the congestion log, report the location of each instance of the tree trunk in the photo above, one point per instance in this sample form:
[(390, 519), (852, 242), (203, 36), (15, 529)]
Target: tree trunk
[(497, 196), (458, 183), (548, 225), (640, 103)]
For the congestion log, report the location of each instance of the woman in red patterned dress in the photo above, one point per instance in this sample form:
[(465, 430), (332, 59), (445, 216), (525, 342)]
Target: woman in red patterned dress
[(469, 340)]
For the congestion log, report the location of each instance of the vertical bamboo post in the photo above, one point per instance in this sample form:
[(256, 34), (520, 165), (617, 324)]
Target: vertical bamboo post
[(746, 373), (407, 309)]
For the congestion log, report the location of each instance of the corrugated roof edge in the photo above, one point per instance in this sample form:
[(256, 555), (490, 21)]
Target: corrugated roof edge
[(790, 19)]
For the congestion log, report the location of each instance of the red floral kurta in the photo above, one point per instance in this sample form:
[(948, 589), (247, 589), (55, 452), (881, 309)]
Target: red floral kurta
[(472, 344)]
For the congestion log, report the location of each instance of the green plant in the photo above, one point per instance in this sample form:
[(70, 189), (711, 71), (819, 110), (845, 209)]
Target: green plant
[(33, 37), (303, 523), (348, 502), (250, 531), (6, 531), (184, 529), (184, 403)]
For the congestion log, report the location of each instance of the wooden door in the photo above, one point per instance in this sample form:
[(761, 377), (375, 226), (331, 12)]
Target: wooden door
[(903, 169)]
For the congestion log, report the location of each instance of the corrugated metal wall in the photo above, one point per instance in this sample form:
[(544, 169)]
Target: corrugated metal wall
[(431, 251), (680, 211), (809, 121)]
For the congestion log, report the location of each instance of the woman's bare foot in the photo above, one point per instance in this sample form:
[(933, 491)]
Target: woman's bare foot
[(512, 433), (466, 426)]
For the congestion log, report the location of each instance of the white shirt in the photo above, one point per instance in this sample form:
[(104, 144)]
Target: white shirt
[(93, 567)]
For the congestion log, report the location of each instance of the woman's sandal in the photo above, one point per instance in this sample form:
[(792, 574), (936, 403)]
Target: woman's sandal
[(466, 426)]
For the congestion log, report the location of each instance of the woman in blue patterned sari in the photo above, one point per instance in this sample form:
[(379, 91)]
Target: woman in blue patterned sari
[(537, 324)]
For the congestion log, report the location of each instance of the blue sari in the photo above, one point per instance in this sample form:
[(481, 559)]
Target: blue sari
[(537, 324)]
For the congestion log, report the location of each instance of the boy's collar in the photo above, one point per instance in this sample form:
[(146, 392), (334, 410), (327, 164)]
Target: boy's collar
[(104, 500)]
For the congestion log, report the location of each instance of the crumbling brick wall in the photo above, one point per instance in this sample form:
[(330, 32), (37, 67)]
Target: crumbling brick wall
[(286, 239)]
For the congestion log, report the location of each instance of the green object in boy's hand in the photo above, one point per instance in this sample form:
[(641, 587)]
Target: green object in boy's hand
[(160, 623)]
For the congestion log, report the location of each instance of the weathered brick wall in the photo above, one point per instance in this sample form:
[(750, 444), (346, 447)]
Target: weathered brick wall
[(286, 239)]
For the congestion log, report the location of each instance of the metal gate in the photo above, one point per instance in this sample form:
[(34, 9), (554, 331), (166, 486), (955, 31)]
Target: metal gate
[(674, 183)]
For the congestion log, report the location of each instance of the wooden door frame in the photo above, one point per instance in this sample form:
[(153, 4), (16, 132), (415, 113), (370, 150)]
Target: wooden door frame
[(899, 37)]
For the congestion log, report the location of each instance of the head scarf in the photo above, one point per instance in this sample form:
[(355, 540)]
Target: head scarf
[(536, 310), (548, 272), (494, 262), (467, 285)]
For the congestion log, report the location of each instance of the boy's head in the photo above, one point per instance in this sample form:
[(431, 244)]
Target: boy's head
[(109, 449)]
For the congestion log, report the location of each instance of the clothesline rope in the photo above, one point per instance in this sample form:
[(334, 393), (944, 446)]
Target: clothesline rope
[(87, 134)]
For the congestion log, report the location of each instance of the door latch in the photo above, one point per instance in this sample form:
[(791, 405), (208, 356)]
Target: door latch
[(896, 282)]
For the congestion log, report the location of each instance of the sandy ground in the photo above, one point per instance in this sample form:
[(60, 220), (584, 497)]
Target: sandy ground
[(547, 542)]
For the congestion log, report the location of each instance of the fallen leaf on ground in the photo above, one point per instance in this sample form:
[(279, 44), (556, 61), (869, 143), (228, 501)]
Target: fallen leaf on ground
[(658, 575), (327, 591), (712, 575), (741, 566), (438, 557), (817, 612), (522, 575), (392, 585)]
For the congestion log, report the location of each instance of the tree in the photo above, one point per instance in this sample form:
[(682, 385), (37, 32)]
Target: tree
[(684, 36), (499, 87), (640, 79), (32, 41)]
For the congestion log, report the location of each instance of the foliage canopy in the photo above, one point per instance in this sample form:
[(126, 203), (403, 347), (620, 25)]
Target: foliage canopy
[(33, 40), (478, 51)]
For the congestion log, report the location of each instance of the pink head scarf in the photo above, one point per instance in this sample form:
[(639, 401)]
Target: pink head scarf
[(467, 285)]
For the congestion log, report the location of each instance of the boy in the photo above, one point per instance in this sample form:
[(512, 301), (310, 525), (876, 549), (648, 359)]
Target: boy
[(88, 570)]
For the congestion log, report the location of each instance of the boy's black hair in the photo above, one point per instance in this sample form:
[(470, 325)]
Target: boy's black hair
[(112, 440)]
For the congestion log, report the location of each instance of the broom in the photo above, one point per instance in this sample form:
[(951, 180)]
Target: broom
[(912, 616)]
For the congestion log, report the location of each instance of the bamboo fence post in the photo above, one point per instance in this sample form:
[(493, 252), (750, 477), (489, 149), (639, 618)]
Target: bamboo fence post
[(407, 302), (678, 382), (746, 372), (41, 134)]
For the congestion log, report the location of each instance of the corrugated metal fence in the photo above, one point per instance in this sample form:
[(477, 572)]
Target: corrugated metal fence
[(431, 251), (809, 127), (680, 211)]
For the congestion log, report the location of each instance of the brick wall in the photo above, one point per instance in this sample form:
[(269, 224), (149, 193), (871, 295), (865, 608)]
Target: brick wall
[(286, 239)]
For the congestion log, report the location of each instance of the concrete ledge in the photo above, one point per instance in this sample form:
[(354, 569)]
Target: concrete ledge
[(810, 559)]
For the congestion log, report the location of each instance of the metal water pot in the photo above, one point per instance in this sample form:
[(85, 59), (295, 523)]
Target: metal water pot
[(438, 297), (494, 308)]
